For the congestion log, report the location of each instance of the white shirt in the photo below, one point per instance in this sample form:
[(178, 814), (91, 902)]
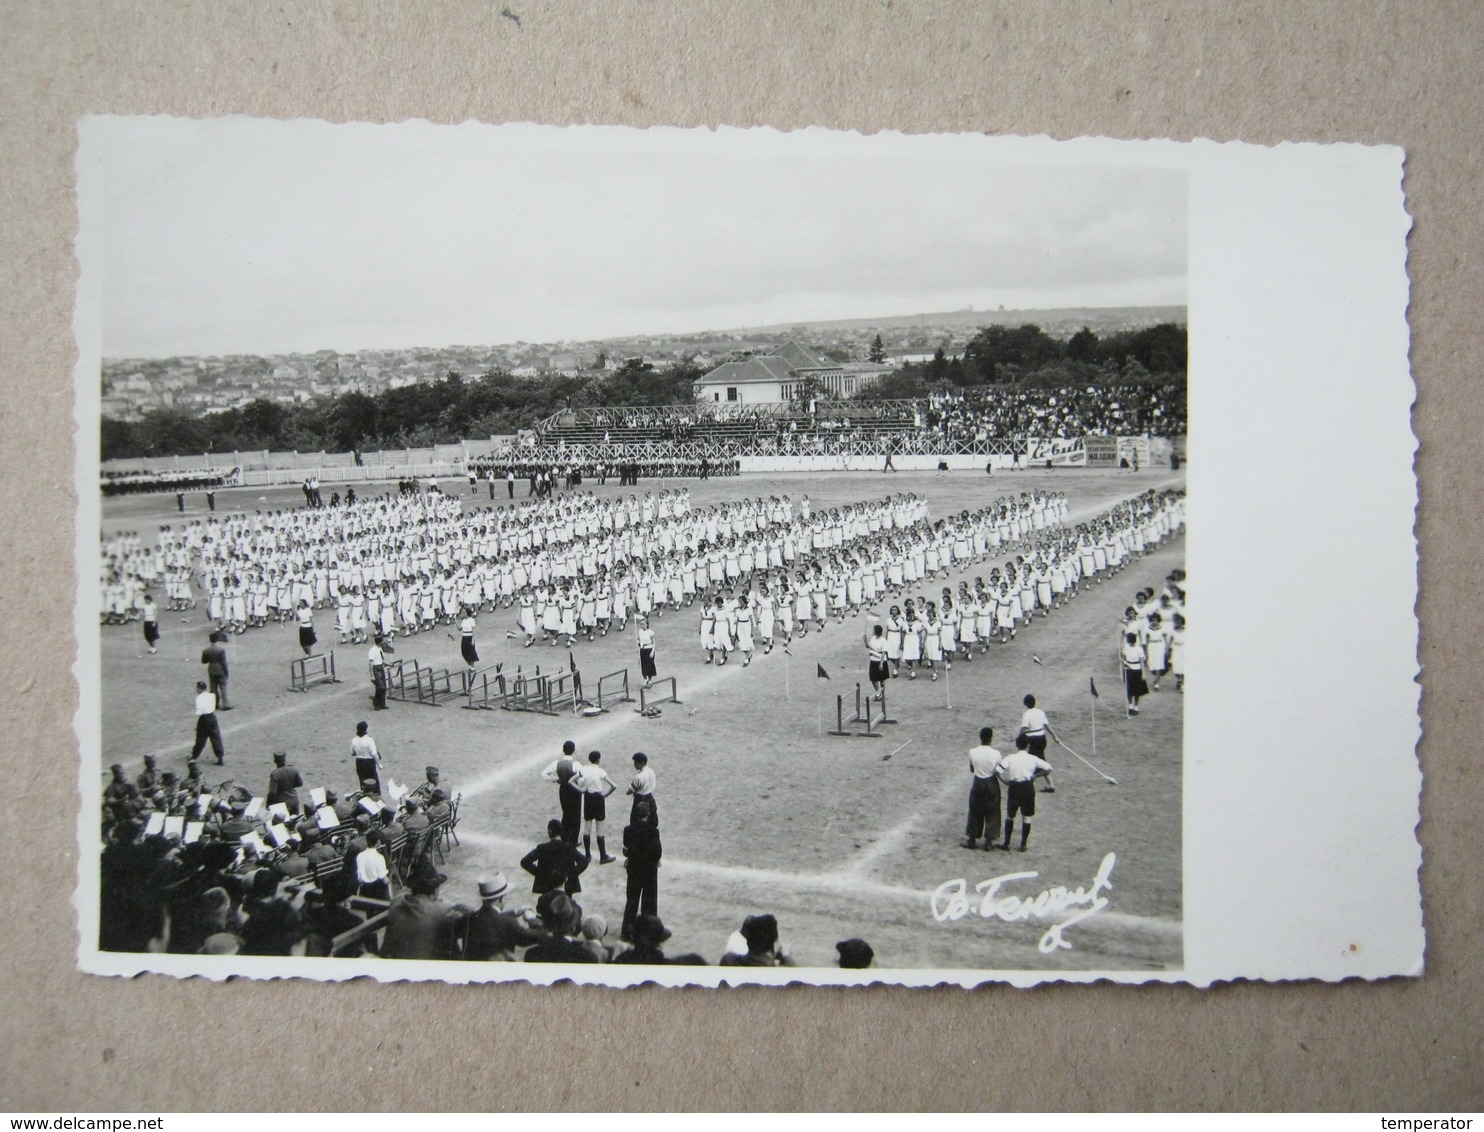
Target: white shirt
[(594, 780), (1034, 721), (375, 655), (371, 866), (643, 782), (466, 626), (984, 761), (205, 703), (1021, 766), (363, 746)]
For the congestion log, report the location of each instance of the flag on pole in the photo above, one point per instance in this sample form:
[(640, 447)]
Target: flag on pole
[(823, 675), (1093, 687)]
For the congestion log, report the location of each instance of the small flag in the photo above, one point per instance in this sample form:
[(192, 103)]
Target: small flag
[(1093, 687), (823, 675)]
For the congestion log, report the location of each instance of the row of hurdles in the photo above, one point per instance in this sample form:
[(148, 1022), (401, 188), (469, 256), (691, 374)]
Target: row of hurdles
[(553, 692)]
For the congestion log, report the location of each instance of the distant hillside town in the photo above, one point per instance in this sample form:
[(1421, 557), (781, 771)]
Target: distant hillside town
[(841, 358)]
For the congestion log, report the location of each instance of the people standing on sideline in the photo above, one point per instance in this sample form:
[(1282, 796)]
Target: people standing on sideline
[(151, 615), (1131, 656), (554, 864), (642, 851), (595, 785), (569, 794), (1036, 728), (1018, 771), (878, 667), (376, 657), (305, 616), (984, 792), (284, 782), (647, 667), (214, 656), (367, 757), (207, 727), (641, 786)]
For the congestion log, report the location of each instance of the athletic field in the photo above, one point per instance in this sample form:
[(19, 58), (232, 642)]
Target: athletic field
[(759, 812)]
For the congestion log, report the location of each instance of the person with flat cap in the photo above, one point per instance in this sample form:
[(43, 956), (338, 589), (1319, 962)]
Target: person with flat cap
[(284, 782)]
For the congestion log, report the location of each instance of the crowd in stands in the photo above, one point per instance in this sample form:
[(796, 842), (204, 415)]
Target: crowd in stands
[(194, 869), (144, 483), (974, 421)]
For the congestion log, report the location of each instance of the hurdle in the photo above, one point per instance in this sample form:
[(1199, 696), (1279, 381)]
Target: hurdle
[(469, 678), (426, 685), (621, 696), (650, 696), (841, 721), (300, 676), (486, 691), (563, 691), (541, 692)]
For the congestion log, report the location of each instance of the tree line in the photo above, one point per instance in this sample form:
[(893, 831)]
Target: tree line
[(497, 403)]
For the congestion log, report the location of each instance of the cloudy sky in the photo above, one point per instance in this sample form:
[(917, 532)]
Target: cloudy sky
[(246, 236)]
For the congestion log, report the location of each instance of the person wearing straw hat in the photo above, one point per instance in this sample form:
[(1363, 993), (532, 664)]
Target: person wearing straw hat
[(492, 933)]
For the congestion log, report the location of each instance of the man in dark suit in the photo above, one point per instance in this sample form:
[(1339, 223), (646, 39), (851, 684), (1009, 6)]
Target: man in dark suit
[(419, 925), (214, 656), (642, 851), (492, 932), (554, 863), (562, 920)]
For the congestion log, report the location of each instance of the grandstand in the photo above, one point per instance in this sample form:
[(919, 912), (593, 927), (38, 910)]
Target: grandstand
[(987, 422)]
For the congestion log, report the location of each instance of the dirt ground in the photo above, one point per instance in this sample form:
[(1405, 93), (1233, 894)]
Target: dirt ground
[(838, 837)]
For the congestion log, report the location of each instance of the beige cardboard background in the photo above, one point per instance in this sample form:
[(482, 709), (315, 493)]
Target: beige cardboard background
[(1409, 74)]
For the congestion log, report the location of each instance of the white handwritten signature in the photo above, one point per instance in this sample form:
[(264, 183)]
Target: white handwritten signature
[(952, 902)]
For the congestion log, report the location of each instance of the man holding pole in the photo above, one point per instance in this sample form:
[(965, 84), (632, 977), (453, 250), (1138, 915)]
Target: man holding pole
[(1037, 728)]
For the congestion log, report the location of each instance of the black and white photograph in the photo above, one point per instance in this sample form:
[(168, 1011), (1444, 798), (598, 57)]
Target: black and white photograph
[(609, 555)]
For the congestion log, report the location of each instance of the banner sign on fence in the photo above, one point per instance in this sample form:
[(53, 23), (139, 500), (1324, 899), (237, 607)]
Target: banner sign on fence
[(1102, 451), (1061, 451)]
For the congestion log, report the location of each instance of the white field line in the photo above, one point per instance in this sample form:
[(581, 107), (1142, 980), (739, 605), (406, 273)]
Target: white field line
[(842, 883)]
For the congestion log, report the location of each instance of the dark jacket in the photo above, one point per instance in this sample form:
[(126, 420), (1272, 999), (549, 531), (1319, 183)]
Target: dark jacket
[(493, 934), (420, 927), (560, 949), (555, 864), (214, 656)]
